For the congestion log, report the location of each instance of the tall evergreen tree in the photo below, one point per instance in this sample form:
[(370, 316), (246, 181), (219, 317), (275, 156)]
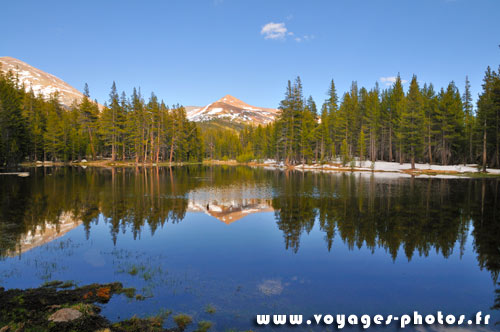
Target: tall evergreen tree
[(469, 120), (89, 112), (110, 122), (450, 119), (412, 122), (397, 106), (13, 134), (430, 105), (488, 119), (329, 142)]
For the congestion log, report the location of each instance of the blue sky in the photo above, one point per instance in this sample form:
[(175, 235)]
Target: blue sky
[(194, 52)]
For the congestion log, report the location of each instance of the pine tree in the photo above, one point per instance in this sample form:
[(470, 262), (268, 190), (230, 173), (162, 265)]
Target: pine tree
[(396, 109), (348, 122), (35, 123), (488, 119), (430, 106), (469, 120), (385, 125), (109, 127), (412, 122), (88, 112), (323, 135), (330, 121), (13, 134), (289, 123), (283, 125), (372, 119), (56, 136), (122, 124), (344, 152), (450, 119), (308, 131), (135, 125), (362, 146)]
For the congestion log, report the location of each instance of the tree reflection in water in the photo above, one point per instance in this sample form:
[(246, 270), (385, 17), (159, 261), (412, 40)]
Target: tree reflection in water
[(418, 215)]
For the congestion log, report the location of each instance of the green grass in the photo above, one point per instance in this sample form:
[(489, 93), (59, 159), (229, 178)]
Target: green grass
[(182, 321), (204, 326)]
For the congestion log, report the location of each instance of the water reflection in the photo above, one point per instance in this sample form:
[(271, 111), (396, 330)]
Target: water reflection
[(417, 214), (231, 203), (362, 210)]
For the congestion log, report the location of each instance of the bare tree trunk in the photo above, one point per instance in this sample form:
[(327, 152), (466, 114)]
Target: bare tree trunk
[(443, 151), (172, 149), (373, 150), (484, 147), (412, 158), (429, 144), (152, 143), (497, 153), (390, 143), (123, 150), (322, 149), (158, 143), (91, 143), (400, 153), (113, 144), (470, 148)]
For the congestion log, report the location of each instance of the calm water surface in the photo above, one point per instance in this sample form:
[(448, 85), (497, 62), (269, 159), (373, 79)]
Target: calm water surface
[(250, 241)]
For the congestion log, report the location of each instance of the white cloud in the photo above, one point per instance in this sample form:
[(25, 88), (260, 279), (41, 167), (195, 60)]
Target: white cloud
[(274, 31), (279, 31), (390, 80)]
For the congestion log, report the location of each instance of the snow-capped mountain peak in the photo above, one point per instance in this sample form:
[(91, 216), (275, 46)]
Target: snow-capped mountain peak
[(41, 82), (232, 109)]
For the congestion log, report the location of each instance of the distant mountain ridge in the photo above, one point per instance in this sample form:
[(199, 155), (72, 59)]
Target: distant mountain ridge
[(231, 109), (41, 82), (227, 112)]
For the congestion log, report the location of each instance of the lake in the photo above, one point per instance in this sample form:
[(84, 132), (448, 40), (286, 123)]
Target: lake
[(243, 241)]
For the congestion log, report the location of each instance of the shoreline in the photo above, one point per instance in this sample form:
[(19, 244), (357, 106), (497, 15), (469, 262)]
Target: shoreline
[(63, 306), (391, 168), (379, 167)]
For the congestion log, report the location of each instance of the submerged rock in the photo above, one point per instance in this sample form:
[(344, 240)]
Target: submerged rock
[(60, 307), (65, 315), (271, 287)]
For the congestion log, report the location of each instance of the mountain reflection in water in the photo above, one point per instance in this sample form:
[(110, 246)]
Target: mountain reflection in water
[(374, 211), (400, 215)]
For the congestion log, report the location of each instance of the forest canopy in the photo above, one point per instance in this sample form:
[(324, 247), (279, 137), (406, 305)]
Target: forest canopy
[(422, 124)]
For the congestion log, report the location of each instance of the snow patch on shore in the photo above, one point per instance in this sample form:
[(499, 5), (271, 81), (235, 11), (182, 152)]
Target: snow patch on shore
[(382, 168)]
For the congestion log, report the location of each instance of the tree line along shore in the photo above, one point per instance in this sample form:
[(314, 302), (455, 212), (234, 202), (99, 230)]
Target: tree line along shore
[(422, 125)]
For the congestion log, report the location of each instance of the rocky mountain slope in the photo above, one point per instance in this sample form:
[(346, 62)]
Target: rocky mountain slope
[(231, 109), (40, 81), (228, 111)]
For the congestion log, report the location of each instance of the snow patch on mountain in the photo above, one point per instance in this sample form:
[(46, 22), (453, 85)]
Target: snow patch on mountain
[(40, 82), (234, 110)]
